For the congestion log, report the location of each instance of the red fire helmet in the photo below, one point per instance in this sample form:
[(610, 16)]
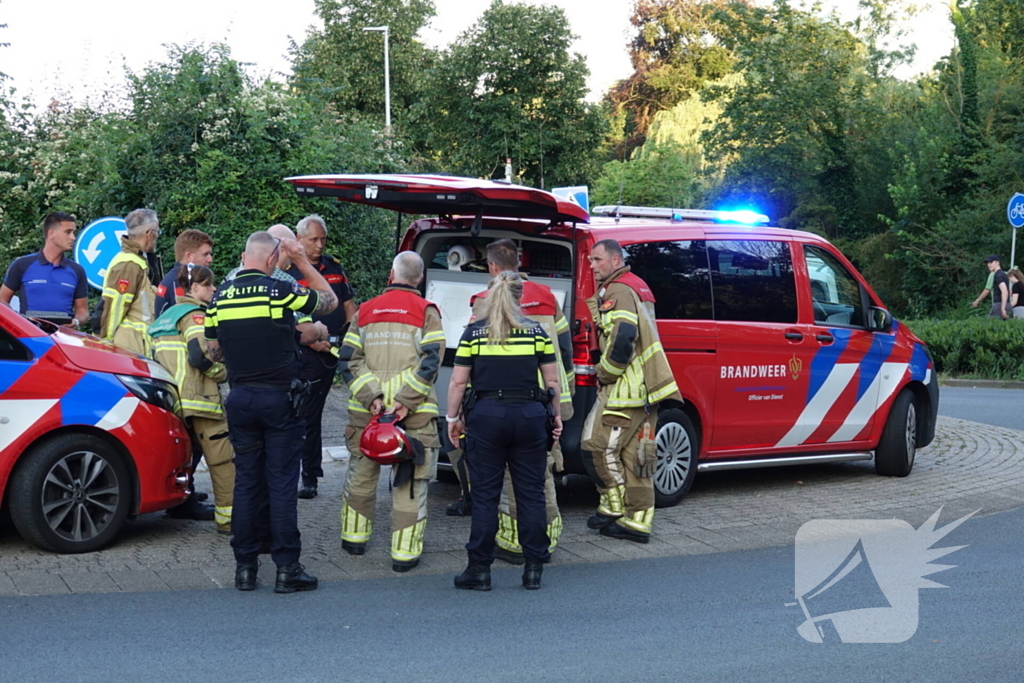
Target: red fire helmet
[(385, 442)]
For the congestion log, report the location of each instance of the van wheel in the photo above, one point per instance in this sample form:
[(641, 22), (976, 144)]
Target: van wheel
[(677, 457), (894, 456), (70, 494)]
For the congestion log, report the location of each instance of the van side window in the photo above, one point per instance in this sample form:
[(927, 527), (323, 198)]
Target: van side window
[(835, 293), (677, 273), (752, 281)]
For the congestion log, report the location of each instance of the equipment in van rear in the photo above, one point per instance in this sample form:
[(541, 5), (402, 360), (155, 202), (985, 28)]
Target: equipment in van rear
[(782, 352)]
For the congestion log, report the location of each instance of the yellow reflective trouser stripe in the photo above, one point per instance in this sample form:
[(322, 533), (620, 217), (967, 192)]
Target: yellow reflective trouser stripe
[(354, 527), (433, 338), (222, 515), (407, 544), (554, 532), (360, 382), (611, 501), (641, 521), (508, 533), (356, 406)]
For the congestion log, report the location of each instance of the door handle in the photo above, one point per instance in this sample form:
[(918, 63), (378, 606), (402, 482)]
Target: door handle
[(794, 336), (825, 338)]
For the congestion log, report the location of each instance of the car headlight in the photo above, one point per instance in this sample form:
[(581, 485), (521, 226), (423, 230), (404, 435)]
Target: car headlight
[(154, 392)]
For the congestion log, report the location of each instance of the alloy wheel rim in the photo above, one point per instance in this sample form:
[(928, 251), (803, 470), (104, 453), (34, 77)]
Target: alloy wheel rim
[(911, 434), (80, 495), (675, 458)]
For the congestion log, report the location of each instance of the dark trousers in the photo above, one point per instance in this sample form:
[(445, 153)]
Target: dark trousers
[(500, 434), (318, 368), (267, 438)]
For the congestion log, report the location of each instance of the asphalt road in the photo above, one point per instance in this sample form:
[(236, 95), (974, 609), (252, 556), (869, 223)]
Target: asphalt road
[(709, 617), (1000, 407)]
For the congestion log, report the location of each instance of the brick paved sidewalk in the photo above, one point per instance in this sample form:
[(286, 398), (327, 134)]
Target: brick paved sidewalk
[(970, 466)]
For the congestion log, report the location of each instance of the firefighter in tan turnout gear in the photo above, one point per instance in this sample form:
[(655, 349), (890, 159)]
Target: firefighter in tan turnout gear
[(634, 376), (179, 345), (540, 305), (129, 296), (389, 360)]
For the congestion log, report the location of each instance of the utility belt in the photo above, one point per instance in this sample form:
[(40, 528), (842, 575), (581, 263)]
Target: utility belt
[(545, 396), (298, 392)]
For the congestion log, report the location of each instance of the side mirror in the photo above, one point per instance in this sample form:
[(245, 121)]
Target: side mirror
[(879, 320)]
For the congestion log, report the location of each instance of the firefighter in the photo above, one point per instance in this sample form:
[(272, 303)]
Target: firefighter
[(634, 376), (128, 295), (179, 344), (389, 359), (250, 327), (538, 304), (509, 362)]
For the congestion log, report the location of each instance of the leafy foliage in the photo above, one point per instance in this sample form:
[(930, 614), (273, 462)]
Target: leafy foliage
[(979, 347)]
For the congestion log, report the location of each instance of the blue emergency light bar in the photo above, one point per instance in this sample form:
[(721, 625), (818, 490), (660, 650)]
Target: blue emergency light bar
[(742, 217)]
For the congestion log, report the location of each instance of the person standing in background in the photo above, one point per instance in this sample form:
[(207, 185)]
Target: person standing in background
[(191, 246), (128, 295), (48, 283)]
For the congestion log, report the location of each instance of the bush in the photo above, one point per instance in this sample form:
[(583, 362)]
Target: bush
[(979, 347)]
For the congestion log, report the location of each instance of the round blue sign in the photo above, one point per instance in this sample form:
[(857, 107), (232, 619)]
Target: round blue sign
[(1015, 210), (96, 246)]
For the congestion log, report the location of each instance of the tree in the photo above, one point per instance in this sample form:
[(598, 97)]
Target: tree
[(675, 50), (508, 87), (343, 65)]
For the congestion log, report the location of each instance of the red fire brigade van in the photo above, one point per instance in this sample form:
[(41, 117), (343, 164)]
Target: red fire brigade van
[(782, 352), (89, 435)]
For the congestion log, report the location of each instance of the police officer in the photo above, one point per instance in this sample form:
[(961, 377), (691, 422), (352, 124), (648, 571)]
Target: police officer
[(390, 360), (506, 424), (250, 326), (318, 365), (540, 305), (633, 376), (128, 294)]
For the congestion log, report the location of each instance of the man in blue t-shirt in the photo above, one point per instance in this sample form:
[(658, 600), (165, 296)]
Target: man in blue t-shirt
[(48, 283)]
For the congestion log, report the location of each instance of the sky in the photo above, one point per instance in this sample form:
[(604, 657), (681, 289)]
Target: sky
[(77, 49)]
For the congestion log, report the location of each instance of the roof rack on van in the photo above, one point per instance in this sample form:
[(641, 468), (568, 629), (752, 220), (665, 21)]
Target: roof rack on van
[(746, 217)]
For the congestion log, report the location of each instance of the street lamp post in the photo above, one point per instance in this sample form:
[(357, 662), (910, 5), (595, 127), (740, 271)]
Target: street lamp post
[(386, 30)]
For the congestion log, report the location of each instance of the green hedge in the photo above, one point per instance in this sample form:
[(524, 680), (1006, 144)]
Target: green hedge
[(978, 347)]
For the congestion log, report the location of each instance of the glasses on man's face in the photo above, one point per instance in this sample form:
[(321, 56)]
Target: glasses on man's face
[(277, 247)]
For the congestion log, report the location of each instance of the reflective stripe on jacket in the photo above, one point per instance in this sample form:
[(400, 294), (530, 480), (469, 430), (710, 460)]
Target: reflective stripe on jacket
[(200, 393)]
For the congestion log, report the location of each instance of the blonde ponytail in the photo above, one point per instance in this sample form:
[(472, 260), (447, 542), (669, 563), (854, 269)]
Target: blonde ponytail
[(501, 307)]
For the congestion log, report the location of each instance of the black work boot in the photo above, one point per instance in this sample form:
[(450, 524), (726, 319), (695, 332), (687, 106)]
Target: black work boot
[(531, 575), (245, 575), (477, 577), (621, 532), (509, 556), (460, 508), (292, 578), (402, 566), (599, 521), (307, 490), (353, 548)]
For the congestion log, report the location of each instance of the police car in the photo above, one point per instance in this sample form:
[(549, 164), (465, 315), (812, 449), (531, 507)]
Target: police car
[(782, 351), (89, 435)]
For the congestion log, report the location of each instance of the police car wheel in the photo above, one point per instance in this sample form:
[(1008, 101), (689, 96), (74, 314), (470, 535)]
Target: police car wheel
[(897, 448), (677, 457), (70, 494)]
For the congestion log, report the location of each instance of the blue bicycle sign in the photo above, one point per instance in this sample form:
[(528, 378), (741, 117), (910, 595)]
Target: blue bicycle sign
[(1015, 210)]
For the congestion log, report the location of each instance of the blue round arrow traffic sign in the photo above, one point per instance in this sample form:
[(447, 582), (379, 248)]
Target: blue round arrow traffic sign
[(1015, 210), (96, 246)]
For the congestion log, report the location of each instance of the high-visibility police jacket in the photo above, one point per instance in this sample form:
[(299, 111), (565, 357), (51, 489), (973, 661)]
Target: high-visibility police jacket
[(179, 345), (129, 300), (539, 304), (392, 351), (633, 361)]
